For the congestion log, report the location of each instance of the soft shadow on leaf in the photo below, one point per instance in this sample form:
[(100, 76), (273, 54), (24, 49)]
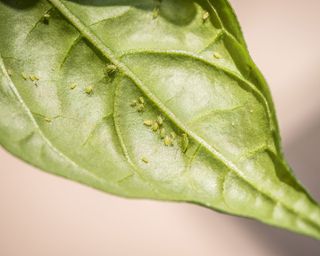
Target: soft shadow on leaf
[(20, 4), (178, 12)]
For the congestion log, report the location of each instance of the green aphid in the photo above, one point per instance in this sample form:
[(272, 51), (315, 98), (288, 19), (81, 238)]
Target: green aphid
[(148, 122), (160, 120), (205, 16), (48, 119), (141, 100), (155, 126), (162, 133), (168, 141), (184, 142), (173, 135), (144, 159), (155, 12), (46, 18), (9, 72), (140, 107), (73, 86), (34, 78), (111, 69), (134, 103), (24, 76), (217, 55), (88, 90)]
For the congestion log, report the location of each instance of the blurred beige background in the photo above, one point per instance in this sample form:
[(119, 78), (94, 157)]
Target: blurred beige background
[(43, 215)]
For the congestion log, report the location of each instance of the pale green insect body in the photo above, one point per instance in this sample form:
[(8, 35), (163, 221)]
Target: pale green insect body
[(205, 16), (45, 19), (89, 90), (111, 69), (145, 160), (184, 142)]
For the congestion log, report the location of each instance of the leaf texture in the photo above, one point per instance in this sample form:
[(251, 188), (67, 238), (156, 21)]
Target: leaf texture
[(147, 99)]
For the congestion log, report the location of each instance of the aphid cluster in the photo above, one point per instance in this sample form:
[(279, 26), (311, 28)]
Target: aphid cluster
[(138, 104), (157, 126), (32, 78)]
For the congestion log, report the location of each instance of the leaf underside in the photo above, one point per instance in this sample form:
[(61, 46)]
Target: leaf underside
[(147, 99)]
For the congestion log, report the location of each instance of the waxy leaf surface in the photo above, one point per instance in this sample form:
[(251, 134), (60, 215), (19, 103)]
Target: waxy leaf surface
[(146, 99)]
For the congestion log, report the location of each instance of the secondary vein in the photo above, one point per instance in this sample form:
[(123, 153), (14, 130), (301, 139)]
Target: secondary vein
[(99, 45)]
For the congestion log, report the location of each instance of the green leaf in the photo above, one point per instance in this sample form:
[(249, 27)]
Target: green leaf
[(147, 99)]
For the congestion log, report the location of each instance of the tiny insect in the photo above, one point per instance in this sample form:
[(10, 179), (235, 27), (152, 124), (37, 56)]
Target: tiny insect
[(134, 103), (140, 107), (205, 16), (168, 141), (162, 133), (141, 100), (9, 72), (173, 135), (217, 55), (148, 122), (48, 119), (73, 86), (24, 76), (184, 142), (111, 69), (34, 78), (155, 126), (155, 12), (88, 89), (46, 18), (160, 120), (145, 160)]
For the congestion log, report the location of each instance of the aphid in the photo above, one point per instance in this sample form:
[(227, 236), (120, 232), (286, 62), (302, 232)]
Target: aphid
[(48, 119), (111, 69), (173, 135), (155, 12), (160, 120), (144, 159), (148, 122), (155, 126), (9, 72), (168, 141), (24, 76), (134, 103), (205, 16), (184, 142), (140, 108), (217, 55), (73, 86), (46, 18), (88, 89), (162, 133), (34, 78), (141, 100)]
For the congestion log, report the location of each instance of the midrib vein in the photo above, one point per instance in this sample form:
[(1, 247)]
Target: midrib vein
[(99, 45)]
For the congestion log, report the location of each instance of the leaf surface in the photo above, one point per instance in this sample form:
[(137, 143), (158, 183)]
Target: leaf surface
[(147, 99)]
